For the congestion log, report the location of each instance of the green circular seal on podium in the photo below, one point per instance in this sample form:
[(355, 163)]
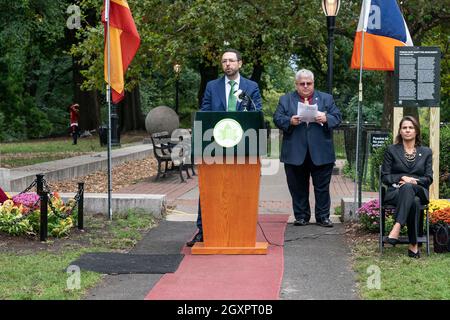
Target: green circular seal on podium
[(228, 133)]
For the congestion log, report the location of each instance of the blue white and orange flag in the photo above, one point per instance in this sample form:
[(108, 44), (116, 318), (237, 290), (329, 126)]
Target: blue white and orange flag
[(124, 43), (384, 29)]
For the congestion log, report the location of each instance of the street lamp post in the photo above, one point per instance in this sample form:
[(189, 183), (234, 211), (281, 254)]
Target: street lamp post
[(331, 9), (177, 70)]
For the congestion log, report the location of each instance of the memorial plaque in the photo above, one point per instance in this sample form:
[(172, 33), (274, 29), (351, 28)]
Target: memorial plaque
[(417, 76)]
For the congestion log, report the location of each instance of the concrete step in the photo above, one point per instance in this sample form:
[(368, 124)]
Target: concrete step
[(121, 202), (19, 178), (348, 207)]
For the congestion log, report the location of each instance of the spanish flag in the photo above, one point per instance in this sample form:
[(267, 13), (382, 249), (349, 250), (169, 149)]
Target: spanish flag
[(124, 42), (384, 28)]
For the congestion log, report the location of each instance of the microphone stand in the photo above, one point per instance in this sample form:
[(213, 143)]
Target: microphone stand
[(244, 103), (246, 99)]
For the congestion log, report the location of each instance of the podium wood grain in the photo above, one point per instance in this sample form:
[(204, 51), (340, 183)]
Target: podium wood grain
[(229, 196)]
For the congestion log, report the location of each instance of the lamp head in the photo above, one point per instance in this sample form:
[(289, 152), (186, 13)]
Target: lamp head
[(331, 7)]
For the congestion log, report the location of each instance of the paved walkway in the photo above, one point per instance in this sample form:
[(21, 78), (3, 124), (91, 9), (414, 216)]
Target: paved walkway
[(182, 198), (317, 262)]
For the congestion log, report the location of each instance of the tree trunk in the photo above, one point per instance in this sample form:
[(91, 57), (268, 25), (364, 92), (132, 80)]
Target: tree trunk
[(208, 72), (258, 67), (32, 78), (257, 72), (88, 101), (388, 109), (130, 112), (90, 115)]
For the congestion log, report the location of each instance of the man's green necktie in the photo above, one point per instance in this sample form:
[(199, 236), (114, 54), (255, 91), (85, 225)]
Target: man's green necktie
[(232, 98)]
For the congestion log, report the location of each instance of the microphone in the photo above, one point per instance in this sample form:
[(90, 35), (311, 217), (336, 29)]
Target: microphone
[(245, 99)]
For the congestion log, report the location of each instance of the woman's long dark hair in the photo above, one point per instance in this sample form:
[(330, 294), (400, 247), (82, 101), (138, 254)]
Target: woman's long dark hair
[(399, 139)]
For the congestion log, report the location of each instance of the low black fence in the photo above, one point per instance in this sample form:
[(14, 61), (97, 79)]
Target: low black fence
[(45, 197)]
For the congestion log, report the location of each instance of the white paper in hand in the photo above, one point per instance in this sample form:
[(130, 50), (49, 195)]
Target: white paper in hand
[(307, 112)]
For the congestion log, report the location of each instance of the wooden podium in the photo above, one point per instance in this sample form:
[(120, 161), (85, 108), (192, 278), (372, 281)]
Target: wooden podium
[(229, 179)]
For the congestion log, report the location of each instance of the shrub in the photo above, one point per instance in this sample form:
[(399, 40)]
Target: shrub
[(12, 219), (444, 158), (376, 160)]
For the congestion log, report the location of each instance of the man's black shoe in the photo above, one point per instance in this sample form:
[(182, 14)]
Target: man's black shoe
[(301, 222), (198, 238), (325, 223)]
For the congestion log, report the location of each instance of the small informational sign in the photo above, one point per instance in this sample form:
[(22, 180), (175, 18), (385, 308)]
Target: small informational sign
[(417, 76), (378, 139)]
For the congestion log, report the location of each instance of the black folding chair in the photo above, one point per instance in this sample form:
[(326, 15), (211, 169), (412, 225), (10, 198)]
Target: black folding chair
[(424, 231)]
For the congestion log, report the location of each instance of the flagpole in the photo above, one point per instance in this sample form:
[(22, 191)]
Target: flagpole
[(108, 100), (357, 192)]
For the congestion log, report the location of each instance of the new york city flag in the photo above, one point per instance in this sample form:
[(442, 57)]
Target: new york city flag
[(384, 28), (124, 42)]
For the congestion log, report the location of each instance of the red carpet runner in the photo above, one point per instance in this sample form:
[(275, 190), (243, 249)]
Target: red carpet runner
[(229, 277)]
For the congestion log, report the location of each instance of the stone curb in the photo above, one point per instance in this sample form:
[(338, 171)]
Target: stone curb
[(121, 202)]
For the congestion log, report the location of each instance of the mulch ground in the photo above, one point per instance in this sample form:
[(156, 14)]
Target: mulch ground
[(123, 175), (354, 234)]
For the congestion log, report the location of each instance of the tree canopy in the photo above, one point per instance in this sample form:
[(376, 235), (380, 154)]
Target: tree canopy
[(46, 65)]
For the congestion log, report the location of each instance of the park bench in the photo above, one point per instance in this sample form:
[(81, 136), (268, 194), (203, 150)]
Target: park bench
[(163, 147)]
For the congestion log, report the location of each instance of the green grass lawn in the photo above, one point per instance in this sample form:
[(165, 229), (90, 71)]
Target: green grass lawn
[(32, 270), (401, 277)]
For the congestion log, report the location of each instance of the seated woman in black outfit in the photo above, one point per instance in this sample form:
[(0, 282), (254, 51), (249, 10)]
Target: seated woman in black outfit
[(407, 171)]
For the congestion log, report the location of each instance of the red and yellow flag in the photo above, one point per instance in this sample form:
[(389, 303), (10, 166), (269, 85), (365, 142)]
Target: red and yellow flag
[(124, 42)]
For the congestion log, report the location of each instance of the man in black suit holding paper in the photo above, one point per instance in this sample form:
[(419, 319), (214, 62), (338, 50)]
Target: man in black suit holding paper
[(307, 148), (220, 95)]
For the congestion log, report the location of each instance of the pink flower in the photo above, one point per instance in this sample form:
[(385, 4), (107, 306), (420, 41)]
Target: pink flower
[(29, 199)]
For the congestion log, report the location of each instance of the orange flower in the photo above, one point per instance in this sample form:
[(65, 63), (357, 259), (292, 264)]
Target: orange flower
[(442, 215)]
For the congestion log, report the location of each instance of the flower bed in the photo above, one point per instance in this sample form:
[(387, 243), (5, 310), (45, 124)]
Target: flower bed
[(440, 225), (21, 215), (439, 211), (436, 204), (369, 217)]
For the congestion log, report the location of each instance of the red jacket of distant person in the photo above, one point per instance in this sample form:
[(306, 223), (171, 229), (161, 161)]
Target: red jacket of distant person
[(74, 115)]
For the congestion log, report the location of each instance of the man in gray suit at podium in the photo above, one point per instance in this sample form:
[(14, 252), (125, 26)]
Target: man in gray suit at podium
[(220, 95)]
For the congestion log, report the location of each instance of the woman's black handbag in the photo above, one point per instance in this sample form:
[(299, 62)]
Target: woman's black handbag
[(441, 238)]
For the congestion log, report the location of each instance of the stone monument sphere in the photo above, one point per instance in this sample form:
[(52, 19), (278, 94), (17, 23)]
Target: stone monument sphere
[(161, 118)]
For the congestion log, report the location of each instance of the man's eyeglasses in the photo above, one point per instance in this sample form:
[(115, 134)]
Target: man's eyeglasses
[(304, 84), (229, 60)]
